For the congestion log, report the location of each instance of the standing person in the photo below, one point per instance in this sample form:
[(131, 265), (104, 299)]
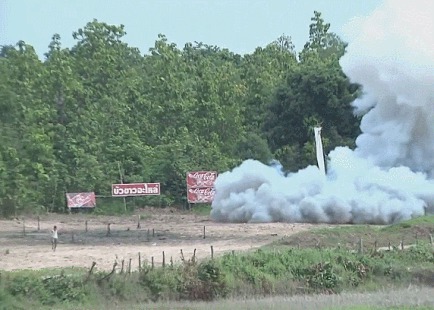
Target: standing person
[(54, 238)]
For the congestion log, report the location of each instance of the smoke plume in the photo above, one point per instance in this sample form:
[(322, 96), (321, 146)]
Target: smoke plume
[(389, 176)]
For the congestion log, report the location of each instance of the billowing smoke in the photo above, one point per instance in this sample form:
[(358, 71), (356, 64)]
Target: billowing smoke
[(388, 177)]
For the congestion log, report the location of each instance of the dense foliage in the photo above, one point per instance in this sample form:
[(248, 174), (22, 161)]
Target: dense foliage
[(84, 115), (263, 273)]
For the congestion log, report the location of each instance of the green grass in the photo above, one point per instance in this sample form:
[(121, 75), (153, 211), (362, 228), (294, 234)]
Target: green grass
[(260, 273), (201, 209), (409, 232), (424, 224)]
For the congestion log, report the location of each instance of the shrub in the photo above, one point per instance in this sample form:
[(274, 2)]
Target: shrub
[(49, 289), (204, 281), (161, 283), (321, 277)]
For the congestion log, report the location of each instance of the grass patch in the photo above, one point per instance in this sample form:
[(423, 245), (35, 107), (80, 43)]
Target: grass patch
[(408, 232), (261, 273), (423, 225), (201, 209)]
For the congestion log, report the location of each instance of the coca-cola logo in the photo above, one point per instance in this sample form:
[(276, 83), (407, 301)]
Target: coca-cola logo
[(201, 194), (202, 191), (201, 178), (203, 175), (77, 200), (80, 200)]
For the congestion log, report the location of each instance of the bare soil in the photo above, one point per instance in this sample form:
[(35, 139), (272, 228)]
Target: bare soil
[(24, 246)]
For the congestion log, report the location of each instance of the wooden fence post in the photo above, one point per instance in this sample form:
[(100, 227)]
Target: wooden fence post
[(85, 226), (212, 252), (164, 260), (204, 232), (138, 221), (129, 266), (122, 269), (152, 262), (108, 229), (402, 244), (90, 271), (140, 263), (361, 246)]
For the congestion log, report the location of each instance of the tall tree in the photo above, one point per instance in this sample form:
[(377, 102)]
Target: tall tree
[(322, 42), (27, 145), (316, 93)]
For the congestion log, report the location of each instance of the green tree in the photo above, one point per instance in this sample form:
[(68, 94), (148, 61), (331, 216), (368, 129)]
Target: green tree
[(322, 43), (316, 93), (68, 123), (262, 72), (27, 145)]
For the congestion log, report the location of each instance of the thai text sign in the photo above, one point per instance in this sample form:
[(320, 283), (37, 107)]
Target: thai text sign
[(201, 178), (135, 189), (200, 194), (81, 200)]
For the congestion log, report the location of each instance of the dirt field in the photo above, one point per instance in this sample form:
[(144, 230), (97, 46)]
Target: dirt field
[(161, 230)]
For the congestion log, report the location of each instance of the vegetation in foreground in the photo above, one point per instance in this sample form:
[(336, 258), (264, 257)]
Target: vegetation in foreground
[(420, 229), (265, 272)]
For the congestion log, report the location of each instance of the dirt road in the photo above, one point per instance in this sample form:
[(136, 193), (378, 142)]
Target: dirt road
[(167, 230)]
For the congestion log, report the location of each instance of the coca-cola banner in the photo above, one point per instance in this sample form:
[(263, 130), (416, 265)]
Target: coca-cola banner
[(201, 178), (81, 200), (135, 189), (200, 194)]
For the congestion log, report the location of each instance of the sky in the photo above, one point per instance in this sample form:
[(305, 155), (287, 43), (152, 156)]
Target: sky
[(239, 25)]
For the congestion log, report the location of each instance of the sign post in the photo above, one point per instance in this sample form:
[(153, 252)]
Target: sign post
[(122, 181)]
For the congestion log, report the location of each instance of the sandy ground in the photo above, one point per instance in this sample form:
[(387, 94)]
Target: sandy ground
[(161, 230)]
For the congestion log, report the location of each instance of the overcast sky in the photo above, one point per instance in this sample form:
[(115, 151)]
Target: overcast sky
[(239, 25)]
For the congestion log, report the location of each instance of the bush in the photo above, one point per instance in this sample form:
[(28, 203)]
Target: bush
[(48, 290), (160, 283), (263, 272), (321, 277), (203, 281)]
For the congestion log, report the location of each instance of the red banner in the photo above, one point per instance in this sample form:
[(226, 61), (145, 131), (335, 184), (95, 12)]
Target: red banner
[(201, 178), (81, 200), (200, 194), (135, 189)]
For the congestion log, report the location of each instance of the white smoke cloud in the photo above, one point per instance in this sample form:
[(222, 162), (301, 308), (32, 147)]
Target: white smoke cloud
[(392, 56), (388, 177)]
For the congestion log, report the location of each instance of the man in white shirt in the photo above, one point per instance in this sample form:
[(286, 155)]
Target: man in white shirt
[(54, 238)]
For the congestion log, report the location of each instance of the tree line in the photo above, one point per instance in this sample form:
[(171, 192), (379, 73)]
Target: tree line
[(69, 122)]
